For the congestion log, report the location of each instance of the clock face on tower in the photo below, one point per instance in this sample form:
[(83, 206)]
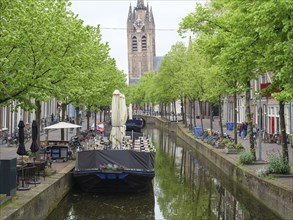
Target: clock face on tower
[(138, 24)]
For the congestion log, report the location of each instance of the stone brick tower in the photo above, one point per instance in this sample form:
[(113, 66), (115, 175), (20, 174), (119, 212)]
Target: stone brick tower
[(140, 40)]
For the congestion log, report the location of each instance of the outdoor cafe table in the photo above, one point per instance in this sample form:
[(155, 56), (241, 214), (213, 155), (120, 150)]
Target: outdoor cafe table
[(29, 172)]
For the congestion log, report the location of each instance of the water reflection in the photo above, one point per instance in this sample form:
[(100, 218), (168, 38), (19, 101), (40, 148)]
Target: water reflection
[(186, 186), (190, 187), (105, 206)]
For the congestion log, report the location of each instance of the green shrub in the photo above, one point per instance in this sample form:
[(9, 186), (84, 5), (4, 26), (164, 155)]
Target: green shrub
[(246, 157), (29, 153), (225, 141), (278, 164), (239, 146), (230, 145)]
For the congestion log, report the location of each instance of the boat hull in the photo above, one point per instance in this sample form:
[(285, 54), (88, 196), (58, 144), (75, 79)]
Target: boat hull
[(98, 182), (120, 170)]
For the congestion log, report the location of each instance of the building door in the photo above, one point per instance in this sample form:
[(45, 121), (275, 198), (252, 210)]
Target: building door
[(272, 125)]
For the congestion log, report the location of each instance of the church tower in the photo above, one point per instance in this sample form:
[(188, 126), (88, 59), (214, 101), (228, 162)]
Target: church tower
[(140, 40)]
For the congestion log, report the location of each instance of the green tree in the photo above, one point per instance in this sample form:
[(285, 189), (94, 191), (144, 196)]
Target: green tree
[(46, 52), (227, 23), (169, 77), (272, 21)]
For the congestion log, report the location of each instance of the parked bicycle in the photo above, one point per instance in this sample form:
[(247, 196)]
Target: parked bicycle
[(213, 138), (27, 134), (228, 137), (12, 140), (74, 143), (3, 136), (265, 137)]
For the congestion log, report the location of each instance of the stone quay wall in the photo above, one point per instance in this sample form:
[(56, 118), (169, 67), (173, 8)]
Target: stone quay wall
[(39, 202)]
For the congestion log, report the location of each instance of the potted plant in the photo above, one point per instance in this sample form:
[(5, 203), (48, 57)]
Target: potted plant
[(231, 148), (239, 146), (222, 143), (278, 165), (28, 156)]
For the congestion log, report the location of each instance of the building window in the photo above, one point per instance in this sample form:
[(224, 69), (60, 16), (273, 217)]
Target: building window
[(263, 78), (134, 44), (143, 43), (277, 113)]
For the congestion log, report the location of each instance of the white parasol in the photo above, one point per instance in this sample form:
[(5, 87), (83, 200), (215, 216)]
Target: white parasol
[(118, 119), (130, 111), (123, 116), (61, 125)]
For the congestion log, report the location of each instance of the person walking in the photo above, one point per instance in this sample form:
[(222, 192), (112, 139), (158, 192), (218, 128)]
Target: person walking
[(241, 129), (245, 126)]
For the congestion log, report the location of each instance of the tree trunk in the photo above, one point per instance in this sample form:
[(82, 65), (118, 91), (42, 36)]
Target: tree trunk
[(105, 110), (211, 116), (182, 111), (191, 120), (200, 114), (194, 115), (172, 112), (249, 120), (169, 110), (38, 120), (63, 106), (88, 115), (235, 117), (185, 111), (220, 114), (285, 153), (175, 111), (95, 123), (77, 120)]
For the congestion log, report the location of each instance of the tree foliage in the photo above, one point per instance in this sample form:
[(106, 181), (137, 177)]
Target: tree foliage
[(46, 52)]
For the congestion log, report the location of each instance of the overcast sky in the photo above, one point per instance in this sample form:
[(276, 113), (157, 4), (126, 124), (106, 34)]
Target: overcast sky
[(112, 16)]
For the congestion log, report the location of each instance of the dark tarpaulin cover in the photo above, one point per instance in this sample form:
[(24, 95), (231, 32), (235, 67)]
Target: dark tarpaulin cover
[(128, 159)]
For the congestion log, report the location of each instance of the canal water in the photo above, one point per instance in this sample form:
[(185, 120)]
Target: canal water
[(186, 186)]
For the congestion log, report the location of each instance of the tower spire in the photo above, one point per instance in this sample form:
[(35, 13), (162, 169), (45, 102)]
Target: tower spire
[(130, 12), (147, 15), (151, 16), (140, 4)]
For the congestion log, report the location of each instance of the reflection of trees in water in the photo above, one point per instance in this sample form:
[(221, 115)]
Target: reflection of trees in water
[(188, 188), (178, 198)]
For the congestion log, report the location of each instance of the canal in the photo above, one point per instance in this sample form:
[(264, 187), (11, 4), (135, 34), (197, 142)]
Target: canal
[(186, 186)]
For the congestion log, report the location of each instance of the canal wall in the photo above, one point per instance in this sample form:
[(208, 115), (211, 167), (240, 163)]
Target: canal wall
[(273, 194), (39, 202)]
